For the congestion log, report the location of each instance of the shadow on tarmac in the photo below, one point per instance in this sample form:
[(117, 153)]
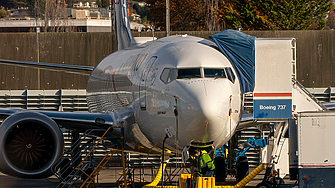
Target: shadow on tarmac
[(13, 182)]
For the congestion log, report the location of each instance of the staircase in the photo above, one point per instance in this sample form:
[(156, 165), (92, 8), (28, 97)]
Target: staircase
[(79, 162)]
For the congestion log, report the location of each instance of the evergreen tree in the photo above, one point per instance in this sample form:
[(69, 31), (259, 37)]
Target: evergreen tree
[(243, 14), (276, 14), (98, 3), (294, 14), (142, 11)]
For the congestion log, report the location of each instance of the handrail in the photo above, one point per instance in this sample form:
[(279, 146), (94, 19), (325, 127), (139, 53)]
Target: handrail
[(88, 154), (86, 149), (309, 94), (90, 178)]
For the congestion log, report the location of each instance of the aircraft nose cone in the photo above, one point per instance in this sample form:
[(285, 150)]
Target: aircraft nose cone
[(211, 103), (214, 104)]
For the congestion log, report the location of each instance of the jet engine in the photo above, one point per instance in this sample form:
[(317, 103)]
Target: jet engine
[(30, 142)]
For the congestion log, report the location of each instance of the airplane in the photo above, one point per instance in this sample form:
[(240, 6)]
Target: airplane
[(181, 84)]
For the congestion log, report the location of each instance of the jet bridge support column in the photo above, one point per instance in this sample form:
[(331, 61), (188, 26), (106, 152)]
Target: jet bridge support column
[(274, 69)]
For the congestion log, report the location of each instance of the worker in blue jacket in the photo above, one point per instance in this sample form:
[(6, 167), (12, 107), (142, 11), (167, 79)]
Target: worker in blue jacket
[(204, 163)]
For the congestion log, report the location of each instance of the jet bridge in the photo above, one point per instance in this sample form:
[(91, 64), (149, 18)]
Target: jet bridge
[(279, 97), (268, 68)]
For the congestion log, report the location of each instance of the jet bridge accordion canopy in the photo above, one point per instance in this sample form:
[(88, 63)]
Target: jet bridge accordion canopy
[(239, 48)]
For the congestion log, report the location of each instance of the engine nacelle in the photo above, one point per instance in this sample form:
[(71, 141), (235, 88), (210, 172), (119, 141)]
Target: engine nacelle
[(30, 142)]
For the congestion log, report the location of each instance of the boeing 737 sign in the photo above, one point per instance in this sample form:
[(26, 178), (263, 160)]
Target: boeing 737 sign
[(272, 105)]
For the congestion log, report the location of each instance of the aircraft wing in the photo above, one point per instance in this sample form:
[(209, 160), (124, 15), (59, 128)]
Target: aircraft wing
[(70, 120), (75, 69)]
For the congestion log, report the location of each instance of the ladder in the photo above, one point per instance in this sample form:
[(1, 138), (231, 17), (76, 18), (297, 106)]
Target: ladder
[(78, 161)]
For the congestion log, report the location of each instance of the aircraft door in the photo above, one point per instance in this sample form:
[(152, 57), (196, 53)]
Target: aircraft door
[(144, 82)]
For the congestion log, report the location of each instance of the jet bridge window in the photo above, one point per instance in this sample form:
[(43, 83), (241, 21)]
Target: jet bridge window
[(230, 74), (189, 73), (215, 73), (168, 75)]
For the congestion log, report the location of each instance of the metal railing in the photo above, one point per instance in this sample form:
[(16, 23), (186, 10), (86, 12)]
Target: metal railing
[(56, 100), (77, 161)]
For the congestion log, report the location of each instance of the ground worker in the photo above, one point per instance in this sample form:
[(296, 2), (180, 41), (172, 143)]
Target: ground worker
[(204, 163)]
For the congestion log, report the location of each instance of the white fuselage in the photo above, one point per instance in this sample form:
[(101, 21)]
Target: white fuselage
[(150, 81)]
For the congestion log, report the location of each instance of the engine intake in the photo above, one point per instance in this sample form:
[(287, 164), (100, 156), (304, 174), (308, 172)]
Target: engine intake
[(30, 142)]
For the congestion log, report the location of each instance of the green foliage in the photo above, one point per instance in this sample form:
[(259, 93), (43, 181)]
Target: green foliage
[(294, 14), (142, 11), (145, 19), (244, 14), (277, 14), (3, 13), (98, 3), (104, 3)]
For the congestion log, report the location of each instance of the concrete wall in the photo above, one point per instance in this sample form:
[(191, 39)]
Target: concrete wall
[(86, 49), (315, 56)]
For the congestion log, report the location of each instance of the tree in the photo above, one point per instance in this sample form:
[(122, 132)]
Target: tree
[(276, 14), (98, 3), (105, 3), (293, 15), (142, 11), (330, 24), (185, 15), (188, 15), (3, 13), (241, 14)]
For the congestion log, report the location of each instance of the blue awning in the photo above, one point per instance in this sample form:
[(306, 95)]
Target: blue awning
[(239, 48)]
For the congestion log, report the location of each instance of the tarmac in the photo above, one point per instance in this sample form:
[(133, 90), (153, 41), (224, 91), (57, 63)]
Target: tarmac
[(106, 178)]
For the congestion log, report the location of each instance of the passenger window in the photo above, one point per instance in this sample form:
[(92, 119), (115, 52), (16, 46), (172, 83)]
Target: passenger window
[(188, 73), (230, 74), (168, 75), (214, 73)]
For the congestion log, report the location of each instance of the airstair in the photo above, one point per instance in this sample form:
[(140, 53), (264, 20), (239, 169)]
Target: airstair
[(79, 162)]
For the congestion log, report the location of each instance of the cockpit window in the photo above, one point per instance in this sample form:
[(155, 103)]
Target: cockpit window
[(168, 75), (188, 73), (230, 74), (215, 73)]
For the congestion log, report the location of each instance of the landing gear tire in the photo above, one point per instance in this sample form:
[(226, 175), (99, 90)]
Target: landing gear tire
[(263, 185), (242, 167)]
